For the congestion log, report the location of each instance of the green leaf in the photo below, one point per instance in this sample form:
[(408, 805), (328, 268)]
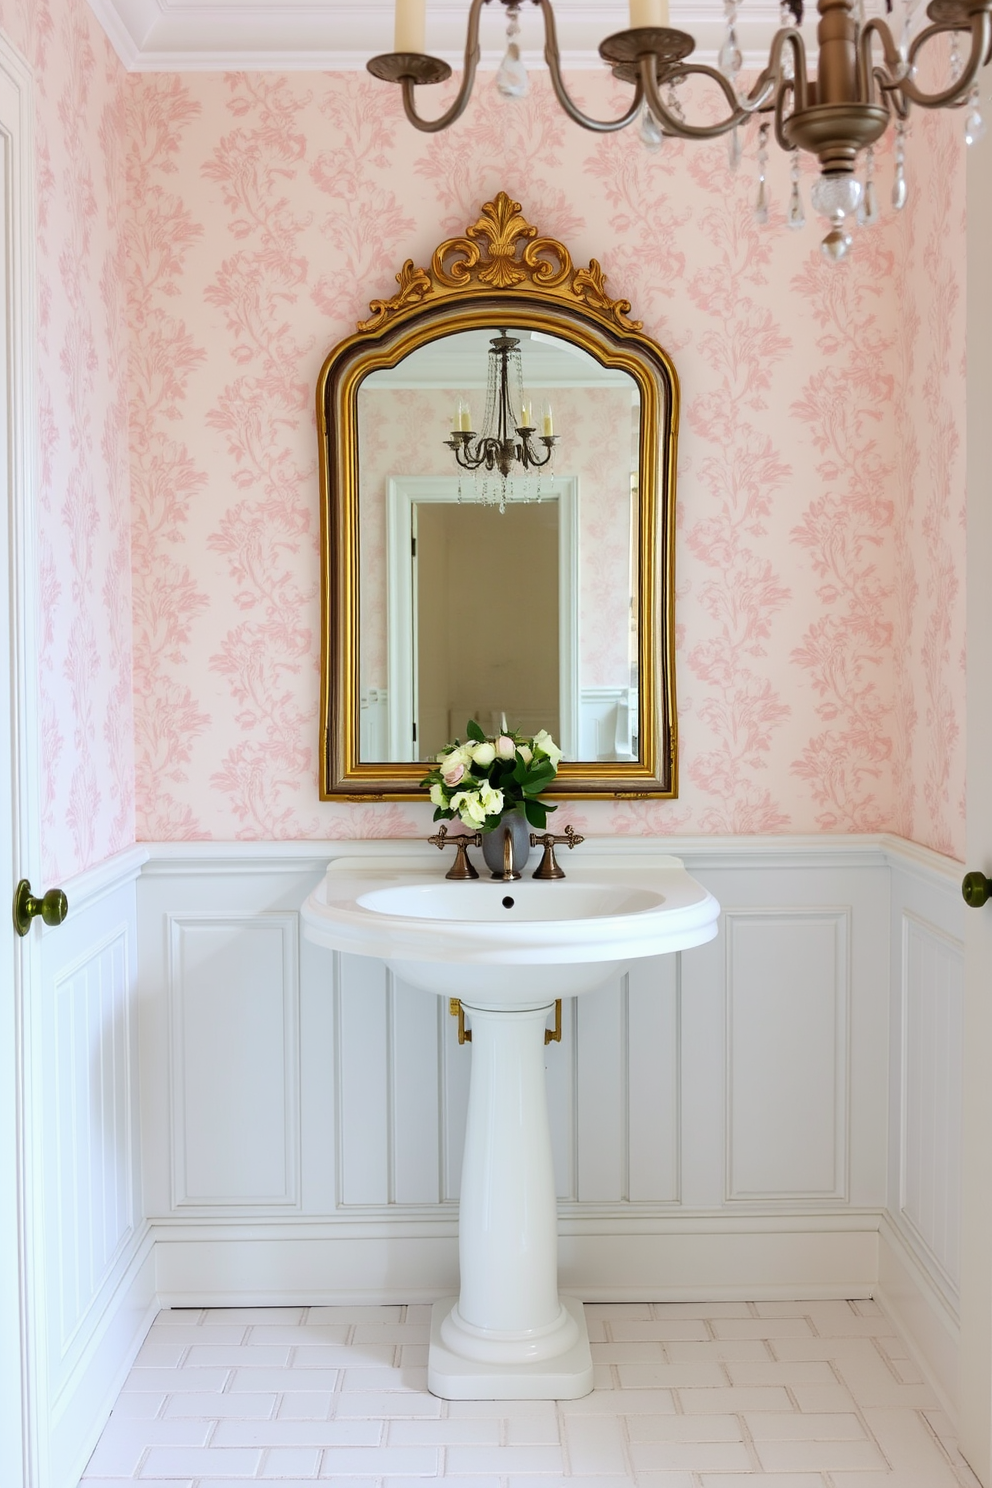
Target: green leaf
[(474, 731), (536, 813)]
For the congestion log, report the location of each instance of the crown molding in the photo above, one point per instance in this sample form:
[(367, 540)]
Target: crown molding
[(341, 35)]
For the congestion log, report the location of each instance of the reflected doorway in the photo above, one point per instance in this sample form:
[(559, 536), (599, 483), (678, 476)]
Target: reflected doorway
[(482, 615), (486, 635)]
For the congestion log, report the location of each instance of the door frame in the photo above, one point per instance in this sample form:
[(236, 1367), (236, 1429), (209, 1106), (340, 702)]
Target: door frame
[(975, 1356), (23, 1456), (403, 493)]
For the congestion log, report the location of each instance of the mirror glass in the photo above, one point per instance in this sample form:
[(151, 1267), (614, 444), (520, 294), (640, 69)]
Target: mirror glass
[(513, 602)]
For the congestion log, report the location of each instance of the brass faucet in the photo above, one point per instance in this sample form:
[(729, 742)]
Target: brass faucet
[(509, 872), (548, 866), (462, 868)]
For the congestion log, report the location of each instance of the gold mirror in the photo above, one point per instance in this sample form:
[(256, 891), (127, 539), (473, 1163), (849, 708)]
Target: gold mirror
[(497, 466)]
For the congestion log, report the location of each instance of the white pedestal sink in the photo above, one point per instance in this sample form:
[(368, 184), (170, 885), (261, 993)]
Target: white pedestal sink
[(508, 950)]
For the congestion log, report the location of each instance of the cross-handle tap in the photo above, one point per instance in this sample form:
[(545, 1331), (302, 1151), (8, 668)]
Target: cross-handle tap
[(462, 867), (548, 866)]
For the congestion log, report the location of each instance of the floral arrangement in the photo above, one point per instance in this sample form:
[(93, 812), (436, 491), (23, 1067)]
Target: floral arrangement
[(485, 777)]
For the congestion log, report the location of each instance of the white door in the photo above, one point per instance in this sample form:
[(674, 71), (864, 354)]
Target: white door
[(19, 1459), (976, 1259)]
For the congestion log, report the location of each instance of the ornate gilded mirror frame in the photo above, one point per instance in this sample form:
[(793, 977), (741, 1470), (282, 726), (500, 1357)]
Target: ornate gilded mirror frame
[(501, 270)]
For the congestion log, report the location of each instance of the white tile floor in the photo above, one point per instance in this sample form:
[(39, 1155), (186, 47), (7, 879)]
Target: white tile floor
[(724, 1395)]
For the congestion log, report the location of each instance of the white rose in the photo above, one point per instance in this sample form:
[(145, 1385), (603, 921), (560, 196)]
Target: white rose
[(492, 800), (525, 752), (547, 745), (483, 754), (505, 746), (437, 795), (469, 808), (448, 758)]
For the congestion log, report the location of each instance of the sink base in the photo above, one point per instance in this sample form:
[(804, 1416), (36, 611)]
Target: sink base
[(565, 1376)]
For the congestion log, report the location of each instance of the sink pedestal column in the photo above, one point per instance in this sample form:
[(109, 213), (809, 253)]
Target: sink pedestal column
[(507, 1336)]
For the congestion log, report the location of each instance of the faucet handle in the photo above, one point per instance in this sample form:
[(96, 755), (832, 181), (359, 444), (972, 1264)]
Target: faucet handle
[(548, 866), (462, 867)]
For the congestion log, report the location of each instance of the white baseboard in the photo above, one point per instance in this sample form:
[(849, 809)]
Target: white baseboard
[(704, 1258), (921, 1313)]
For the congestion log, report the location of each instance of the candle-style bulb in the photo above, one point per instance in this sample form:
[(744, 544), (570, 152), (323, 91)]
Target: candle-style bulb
[(648, 13), (410, 26), (547, 421)]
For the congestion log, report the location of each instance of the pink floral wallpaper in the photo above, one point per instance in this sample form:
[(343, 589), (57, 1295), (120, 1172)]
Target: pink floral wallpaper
[(204, 240), (820, 483), (402, 432), (84, 517)]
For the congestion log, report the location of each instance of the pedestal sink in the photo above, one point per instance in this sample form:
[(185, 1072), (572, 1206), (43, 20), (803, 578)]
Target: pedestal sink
[(508, 951)]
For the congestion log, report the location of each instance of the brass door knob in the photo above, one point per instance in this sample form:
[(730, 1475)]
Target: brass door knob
[(976, 889), (53, 907)]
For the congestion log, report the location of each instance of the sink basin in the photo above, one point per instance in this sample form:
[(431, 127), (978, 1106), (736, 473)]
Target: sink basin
[(508, 950), (561, 938)]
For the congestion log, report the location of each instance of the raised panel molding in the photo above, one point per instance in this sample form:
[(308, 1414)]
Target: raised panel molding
[(931, 1059), (233, 991), (90, 1173), (402, 1088), (788, 990)]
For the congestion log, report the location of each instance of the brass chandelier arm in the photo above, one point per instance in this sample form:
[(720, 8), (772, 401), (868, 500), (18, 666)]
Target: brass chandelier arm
[(868, 69), (981, 36), (553, 58), (741, 110), (458, 107)]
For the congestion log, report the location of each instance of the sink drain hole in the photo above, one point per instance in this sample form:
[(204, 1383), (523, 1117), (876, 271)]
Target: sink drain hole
[(508, 902)]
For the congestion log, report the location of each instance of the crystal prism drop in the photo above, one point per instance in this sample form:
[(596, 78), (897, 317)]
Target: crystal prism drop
[(511, 79), (649, 130), (734, 149), (761, 205), (899, 192), (974, 126), (835, 245), (797, 217), (868, 206), (729, 59)]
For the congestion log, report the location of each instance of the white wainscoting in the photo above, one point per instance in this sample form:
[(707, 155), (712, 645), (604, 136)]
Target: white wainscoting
[(719, 1118), (96, 1273), (919, 1260)]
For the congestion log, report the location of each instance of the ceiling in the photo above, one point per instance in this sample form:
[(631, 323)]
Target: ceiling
[(340, 35), (461, 361)]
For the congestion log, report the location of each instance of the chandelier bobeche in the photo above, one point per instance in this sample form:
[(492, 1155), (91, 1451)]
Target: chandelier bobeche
[(864, 80)]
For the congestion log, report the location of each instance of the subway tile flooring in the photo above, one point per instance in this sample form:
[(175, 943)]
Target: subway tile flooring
[(721, 1395)]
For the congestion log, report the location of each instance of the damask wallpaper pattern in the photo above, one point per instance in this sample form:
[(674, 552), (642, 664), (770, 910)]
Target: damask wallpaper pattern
[(821, 473), (209, 238), (84, 516)]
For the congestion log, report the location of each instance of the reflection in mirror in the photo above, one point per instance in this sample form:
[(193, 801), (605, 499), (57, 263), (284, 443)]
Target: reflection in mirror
[(498, 600)]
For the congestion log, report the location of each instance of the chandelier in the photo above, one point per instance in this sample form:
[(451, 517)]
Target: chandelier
[(864, 79), (506, 443)]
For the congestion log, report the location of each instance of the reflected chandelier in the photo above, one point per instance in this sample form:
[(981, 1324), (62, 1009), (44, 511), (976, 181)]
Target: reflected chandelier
[(864, 77), (506, 444)]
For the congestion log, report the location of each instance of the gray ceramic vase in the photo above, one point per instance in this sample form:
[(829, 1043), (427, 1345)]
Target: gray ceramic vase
[(518, 827)]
